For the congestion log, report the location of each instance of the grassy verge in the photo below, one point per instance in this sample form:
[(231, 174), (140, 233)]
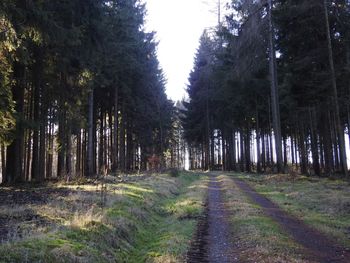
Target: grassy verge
[(321, 203), (129, 222), (257, 237)]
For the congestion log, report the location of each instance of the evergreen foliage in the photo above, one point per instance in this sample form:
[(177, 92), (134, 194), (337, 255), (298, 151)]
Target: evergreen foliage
[(81, 89), (235, 131)]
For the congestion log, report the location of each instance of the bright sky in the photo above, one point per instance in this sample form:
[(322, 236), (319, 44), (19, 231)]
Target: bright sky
[(179, 25)]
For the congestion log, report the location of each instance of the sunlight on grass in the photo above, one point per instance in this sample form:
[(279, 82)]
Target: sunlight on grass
[(322, 203), (136, 188), (259, 238), (127, 223)]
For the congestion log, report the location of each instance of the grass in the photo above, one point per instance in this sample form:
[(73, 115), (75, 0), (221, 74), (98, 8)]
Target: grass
[(150, 220), (321, 203), (167, 237), (257, 237)]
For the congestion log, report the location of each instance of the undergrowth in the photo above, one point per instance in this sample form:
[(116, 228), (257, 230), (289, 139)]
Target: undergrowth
[(151, 220)]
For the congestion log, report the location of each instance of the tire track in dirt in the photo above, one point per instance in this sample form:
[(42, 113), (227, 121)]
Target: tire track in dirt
[(319, 247), (213, 238)]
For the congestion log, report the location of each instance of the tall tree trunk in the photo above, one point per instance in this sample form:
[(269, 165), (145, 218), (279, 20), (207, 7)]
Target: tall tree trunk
[(69, 155), (338, 124), (223, 150), (37, 83), (247, 151), (14, 160), (101, 162), (274, 93), (42, 143), (242, 146), (78, 155), (122, 139), (303, 152), (61, 142), (111, 139), (115, 130), (50, 151), (327, 142), (3, 162), (292, 149), (258, 162), (314, 143), (90, 140), (234, 150), (263, 150)]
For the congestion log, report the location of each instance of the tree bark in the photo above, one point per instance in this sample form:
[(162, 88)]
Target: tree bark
[(90, 142), (274, 93), (115, 130), (14, 160)]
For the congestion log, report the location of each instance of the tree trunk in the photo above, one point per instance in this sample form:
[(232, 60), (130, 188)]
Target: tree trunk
[(274, 93), (78, 155), (69, 155), (3, 162), (303, 152), (37, 74), (314, 143), (61, 143), (42, 143), (258, 162), (90, 142), (338, 124), (115, 130), (122, 139), (101, 149), (14, 160), (50, 151)]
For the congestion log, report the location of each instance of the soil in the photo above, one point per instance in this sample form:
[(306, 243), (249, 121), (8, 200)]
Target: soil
[(15, 226), (212, 242), (319, 248)]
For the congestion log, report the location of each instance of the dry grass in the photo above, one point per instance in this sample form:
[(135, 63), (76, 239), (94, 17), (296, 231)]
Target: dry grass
[(93, 224)]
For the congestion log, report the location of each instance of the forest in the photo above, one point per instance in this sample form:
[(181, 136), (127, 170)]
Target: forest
[(81, 90), (271, 90), (99, 164)]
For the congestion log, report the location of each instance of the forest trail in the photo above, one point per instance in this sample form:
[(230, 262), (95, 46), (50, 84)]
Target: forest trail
[(213, 241), (319, 247)]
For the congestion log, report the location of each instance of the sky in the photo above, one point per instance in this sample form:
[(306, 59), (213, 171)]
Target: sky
[(179, 25)]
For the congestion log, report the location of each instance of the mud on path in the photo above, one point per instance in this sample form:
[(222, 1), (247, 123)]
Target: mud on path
[(213, 241), (319, 247)]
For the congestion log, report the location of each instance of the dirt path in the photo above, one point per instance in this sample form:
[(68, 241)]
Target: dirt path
[(320, 247), (213, 240)]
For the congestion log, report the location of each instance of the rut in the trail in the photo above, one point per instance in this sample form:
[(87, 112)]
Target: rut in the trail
[(319, 247), (213, 241)]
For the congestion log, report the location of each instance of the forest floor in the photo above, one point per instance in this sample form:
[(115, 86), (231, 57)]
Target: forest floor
[(243, 225), (147, 218), (195, 217)]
